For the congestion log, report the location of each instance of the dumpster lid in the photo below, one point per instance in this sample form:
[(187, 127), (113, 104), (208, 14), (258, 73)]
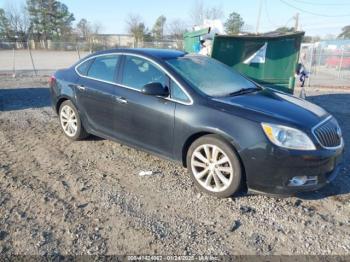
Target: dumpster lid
[(269, 35), (197, 33)]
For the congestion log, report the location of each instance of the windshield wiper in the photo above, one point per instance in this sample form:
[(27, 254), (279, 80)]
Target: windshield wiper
[(245, 91)]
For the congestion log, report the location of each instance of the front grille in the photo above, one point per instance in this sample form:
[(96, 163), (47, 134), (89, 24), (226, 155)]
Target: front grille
[(328, 133)]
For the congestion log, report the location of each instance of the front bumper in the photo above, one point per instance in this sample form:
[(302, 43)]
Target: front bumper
[(269, 169)]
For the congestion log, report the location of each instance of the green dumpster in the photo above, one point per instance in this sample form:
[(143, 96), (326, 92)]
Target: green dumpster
[(192, 40), (269, 59)]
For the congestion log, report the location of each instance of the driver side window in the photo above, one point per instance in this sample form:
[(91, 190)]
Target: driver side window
[(139, 72)]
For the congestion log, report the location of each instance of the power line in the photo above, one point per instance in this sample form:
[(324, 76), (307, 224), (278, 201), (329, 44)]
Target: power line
[(273, 23), (310, 12), (268, 15), (319, 4)]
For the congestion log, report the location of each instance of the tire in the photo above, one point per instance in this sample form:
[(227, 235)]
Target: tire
[(222, 158), (70, 121)]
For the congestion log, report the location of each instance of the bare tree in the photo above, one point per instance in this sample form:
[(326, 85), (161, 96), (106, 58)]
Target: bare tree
[(136, 27), (89, 32), (197, 12), (214, 12), (18, 21), (84, 29), (176, 28), (97, 28)]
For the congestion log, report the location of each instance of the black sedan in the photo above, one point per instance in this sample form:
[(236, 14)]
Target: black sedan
[(230, 133)]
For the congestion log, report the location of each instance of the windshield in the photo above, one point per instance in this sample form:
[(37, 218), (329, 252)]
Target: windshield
[(211, 77)]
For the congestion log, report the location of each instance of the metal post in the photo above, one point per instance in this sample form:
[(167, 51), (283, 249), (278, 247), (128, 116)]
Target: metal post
[(14, 63), (77, 48), (310, 67), (31, 59), (319, 58), (296, 26), (259, 16), (341, 62)]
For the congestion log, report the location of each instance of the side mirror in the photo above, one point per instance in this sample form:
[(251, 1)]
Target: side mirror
[(155, 89)]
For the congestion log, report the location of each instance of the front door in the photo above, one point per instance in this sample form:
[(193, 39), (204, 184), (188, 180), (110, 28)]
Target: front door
[(146, 121)]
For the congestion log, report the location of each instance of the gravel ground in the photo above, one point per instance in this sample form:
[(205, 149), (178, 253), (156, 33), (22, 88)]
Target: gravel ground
[(62, 197)]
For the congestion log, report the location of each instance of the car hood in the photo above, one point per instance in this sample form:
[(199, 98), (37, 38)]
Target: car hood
[(278, 105)]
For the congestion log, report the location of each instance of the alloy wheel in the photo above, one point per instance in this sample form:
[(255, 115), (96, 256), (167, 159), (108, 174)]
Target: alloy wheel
[(212, 168), (69, 121)]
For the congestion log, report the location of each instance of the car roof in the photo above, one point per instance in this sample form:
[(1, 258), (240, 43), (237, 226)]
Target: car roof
[(154, 52)]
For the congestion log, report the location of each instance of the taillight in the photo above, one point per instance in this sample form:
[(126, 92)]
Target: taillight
[(52, 80)]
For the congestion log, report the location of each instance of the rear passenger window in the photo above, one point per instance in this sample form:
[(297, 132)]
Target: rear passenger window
[(84, 67), (104, 67), (177, 93)]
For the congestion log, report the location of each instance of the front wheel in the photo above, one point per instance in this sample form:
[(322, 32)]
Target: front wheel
[(70, 121), (214, 166)]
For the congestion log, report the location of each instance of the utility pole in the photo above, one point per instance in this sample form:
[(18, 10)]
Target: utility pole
[(296, 17), (259, 16)]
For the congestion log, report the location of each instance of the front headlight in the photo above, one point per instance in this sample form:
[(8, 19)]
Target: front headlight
[(288, 137)]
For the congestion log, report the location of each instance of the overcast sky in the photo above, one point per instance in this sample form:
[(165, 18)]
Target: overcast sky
[(317, 17)]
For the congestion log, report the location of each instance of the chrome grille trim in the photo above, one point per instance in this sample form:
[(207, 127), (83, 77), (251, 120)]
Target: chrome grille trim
[(326, 136)]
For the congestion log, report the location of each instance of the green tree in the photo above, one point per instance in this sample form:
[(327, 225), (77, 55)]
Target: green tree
[(345, 32), (49, 19), (234, 23), (63, 20), (158, 28)]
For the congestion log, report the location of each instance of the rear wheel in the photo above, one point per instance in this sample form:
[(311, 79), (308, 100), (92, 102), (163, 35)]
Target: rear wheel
[(214, 166), (70, 121)]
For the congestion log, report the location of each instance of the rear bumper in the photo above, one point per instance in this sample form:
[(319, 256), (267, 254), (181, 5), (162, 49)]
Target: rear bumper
[(271, 172)]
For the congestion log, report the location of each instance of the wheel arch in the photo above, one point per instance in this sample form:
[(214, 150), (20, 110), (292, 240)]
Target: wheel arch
[(228, 139), (221, 135), (61, 99), (59, 102)]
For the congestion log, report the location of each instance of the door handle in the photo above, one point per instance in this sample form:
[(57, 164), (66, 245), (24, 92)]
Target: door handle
[(81, 87), (121, 100)]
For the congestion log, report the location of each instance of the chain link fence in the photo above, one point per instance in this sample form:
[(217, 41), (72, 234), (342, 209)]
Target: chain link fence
[(328, 64), (42, 58)]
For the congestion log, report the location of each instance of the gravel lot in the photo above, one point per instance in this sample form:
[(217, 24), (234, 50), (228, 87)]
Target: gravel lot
[(63, 197)]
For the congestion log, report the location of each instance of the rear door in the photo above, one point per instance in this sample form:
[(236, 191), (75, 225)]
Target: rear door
[(96, 93)]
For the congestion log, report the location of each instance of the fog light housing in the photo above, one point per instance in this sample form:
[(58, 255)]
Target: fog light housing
[(303, 181)]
